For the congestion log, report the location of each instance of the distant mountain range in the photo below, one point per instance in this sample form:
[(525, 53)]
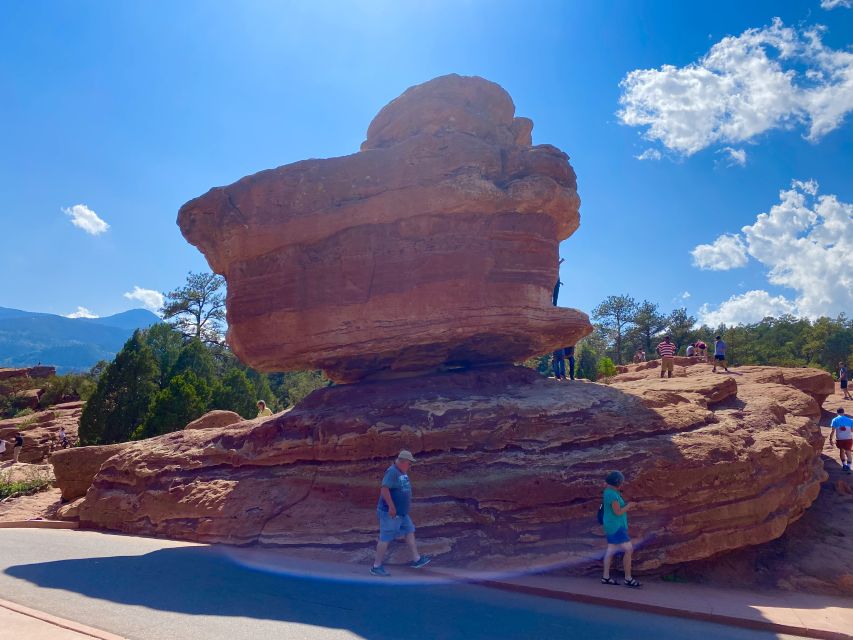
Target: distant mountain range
[(70, 344)]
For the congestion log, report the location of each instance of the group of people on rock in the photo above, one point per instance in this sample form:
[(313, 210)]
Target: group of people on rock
[(667, 350)]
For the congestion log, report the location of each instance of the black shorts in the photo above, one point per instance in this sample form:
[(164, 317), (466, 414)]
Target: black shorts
[(844, 384), (716, 357)]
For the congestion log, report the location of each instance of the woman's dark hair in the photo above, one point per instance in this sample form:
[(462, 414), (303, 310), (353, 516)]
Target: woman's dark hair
[(614, 478)]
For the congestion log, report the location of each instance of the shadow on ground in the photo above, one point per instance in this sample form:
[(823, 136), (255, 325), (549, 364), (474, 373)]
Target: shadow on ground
[(201, 581)]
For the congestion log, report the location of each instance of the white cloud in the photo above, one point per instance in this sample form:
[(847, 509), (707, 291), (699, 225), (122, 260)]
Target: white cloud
[(82, 312), (832, 4), (735, 156), (86, 219), (726, 252), (746, 308), (763, 79), (649, 154), (685, 295), (153, 300), (805, 241)]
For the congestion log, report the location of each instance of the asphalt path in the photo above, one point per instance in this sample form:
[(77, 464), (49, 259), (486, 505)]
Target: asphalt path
[(151, 589)]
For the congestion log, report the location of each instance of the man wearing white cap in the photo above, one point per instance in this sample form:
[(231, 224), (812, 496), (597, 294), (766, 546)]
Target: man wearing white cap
[(395, 497)]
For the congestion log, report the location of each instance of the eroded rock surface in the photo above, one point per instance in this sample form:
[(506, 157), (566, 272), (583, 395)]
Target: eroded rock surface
[(509, 474), (40, 431), (436, 244)]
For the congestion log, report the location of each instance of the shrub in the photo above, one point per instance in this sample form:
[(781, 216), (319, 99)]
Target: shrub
[(606, 368)]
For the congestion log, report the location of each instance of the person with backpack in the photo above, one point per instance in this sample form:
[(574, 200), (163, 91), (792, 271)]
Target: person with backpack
[(613, 515)]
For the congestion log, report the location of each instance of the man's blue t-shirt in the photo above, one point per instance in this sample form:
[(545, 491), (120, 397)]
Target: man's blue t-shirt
[(843, 426), (719, 348), (401, 490)]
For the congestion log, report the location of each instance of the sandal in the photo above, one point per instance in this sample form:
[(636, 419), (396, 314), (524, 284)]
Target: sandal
[(633, 583), (609, 581)]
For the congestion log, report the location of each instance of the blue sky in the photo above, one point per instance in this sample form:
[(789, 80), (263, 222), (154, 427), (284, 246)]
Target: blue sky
[(131, 109)]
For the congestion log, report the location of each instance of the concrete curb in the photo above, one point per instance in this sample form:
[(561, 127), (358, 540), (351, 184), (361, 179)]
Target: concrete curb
[(38, 524), (759, 625), (62, 623)]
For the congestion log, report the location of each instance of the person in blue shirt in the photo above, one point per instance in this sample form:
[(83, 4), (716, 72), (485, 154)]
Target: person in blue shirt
[(842, 434), (395, 498), (615, 521)]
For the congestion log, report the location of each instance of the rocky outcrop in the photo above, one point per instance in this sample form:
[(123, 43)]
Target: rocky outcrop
[(509, 471), (434, 246), (76, 468), (40, 431), (215, 419), (27, 372)]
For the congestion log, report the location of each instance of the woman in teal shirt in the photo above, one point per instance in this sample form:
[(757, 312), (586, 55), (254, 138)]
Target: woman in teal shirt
[(615, 512)]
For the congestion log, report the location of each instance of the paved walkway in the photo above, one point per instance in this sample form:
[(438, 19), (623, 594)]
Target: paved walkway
[(146, 589)]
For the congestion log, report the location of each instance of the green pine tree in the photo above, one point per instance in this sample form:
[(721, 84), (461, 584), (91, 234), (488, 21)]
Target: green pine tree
[(186, 398), (195, 357), (236, 393), (123, 396)]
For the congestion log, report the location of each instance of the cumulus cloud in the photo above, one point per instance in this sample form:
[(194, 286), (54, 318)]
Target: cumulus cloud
[(746, 308), (726, 252), (84, 218), (832, 4), (685, 295), (763, 79), (151, 299), (734, 156), (82, 312), (649, 154), (805, 241)]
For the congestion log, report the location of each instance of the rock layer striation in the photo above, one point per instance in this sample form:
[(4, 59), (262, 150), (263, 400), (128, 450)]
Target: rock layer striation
[(509, 470), (435, 245)]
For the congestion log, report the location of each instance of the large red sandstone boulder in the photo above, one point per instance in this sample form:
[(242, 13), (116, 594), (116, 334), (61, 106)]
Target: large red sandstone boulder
[(75, 468), (509, 470), (435, 245)]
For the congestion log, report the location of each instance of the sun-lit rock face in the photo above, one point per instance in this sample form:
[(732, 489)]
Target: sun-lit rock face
[(436, 244), (510, 467)]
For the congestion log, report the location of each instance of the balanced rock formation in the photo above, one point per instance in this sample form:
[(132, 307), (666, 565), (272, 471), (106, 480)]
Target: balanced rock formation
[(40, 431), (509, 472), (435, 245)]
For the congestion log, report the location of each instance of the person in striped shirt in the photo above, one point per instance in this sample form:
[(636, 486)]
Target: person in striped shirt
[(666, 350)]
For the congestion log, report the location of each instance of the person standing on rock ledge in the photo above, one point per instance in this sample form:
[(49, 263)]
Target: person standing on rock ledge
[(263, 409), (556, 293), (558, 364), (842, 380), (842, 433), (719, 354), (615, 521), (395, 498), (666, 350)]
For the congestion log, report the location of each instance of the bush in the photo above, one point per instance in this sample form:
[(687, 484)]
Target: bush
[(587, 364), (33, 483), (71, 385), (186, 398), (24, 412), (606, 368)]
